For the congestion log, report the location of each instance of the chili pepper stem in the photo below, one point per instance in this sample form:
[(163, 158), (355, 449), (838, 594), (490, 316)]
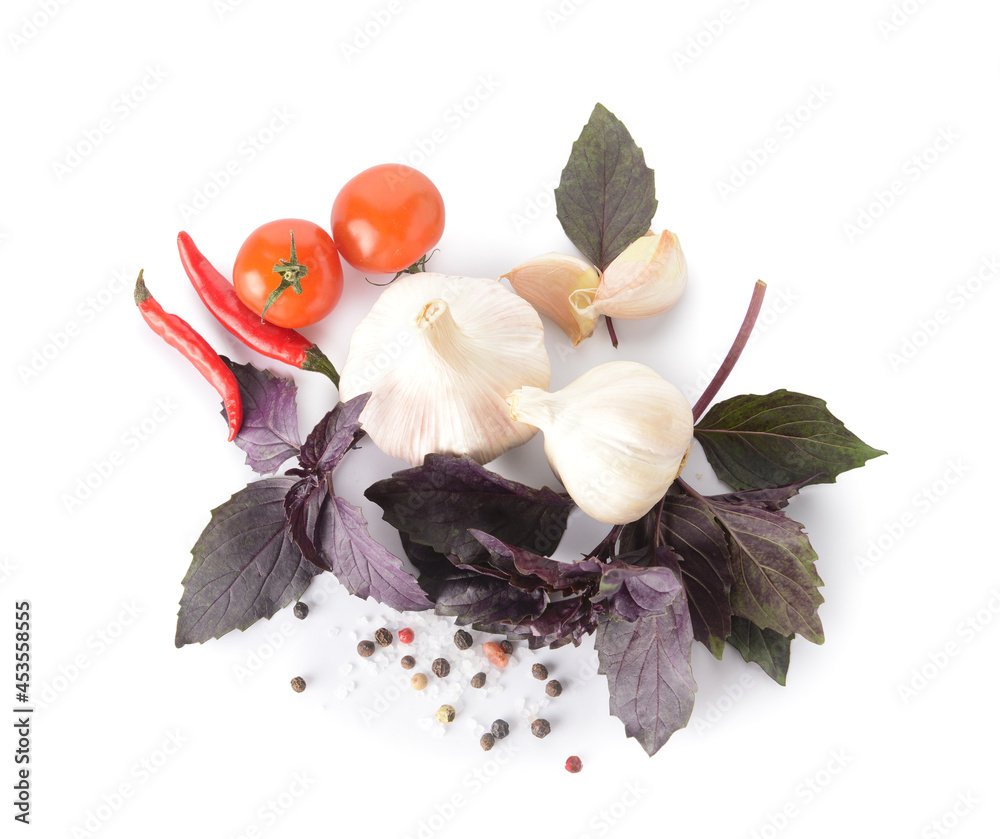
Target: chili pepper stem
[(317, 361)]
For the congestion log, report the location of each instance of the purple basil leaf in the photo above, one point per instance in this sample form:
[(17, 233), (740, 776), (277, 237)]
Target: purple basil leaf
[(363, 566), (690, 528), (770, 649), (302, 508), (648, 665), (436, 504), (562, 622), (485, 600), (605, 199), (539, 570), (270, 431), (632, 592), (775, 583), (776, 439), (769, 498), (334, 435), (434, 569), (245, 565)]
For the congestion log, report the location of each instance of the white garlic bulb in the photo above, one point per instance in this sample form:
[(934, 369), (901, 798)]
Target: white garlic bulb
[(439, 354), (645, 279), (616, 437), (547, 283)]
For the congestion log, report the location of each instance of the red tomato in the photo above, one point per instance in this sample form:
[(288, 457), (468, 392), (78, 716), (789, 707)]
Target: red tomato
[(386, 218), (266, 260)]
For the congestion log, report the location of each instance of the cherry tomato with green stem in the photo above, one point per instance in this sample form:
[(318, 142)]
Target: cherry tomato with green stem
[(288, 271), (386, 218)]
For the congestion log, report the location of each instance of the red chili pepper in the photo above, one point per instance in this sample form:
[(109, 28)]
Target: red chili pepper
[(178, 333), (218, 294)]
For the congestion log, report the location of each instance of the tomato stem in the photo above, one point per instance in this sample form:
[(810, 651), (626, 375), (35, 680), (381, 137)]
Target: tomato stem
[(292, 272), (416, 268)]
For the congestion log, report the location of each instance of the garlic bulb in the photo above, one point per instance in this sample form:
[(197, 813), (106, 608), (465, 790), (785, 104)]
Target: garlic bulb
[(439, 354), (616, 437), (547, 282), (647, 278)]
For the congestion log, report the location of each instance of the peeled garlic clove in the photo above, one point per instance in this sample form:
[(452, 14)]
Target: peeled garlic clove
[(647, 278), (617, 437), (439, 354), (548, 281)]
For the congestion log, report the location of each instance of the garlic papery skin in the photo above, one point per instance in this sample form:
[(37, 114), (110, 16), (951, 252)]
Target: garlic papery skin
[(647, 278), (439, 354), (548, 281), (616, 437)]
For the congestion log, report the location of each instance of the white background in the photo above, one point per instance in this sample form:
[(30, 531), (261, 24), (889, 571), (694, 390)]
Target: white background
[(81, 370)]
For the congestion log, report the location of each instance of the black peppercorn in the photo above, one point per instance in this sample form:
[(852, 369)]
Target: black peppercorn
[(539, 671), (463, 640), (300, 610), (440, 667), (383, 637), (407, 662), (365, 648), (298, 684), (507, 647), (500, 729), (478, 680), (553, 688), (540, 728), (487, 741)]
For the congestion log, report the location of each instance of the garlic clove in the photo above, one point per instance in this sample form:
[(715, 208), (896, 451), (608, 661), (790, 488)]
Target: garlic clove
[(647, 278), (616, 437), (438, 355), (548, 281)]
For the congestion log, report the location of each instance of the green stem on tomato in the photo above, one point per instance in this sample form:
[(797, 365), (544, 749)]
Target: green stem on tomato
[(292, 271), (734, 351)]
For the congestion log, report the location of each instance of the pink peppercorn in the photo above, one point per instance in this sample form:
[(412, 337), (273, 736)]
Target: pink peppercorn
[(496, 656), (574, 764), (406, 636)]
